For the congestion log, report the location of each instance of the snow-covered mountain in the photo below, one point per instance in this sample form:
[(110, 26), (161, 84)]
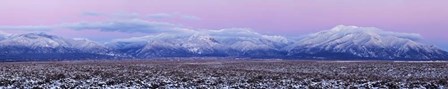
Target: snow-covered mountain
[(43, 46), (210, 43), (246, 43), (168, 45), (351, 42), (88, 45), (341, 42)]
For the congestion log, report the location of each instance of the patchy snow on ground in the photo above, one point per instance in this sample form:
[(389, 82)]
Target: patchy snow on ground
[(223, 74)]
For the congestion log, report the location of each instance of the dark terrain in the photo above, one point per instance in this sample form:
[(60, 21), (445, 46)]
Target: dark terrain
[(224, 74)]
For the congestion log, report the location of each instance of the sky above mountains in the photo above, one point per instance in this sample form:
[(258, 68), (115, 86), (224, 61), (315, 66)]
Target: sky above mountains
[(103, 20)]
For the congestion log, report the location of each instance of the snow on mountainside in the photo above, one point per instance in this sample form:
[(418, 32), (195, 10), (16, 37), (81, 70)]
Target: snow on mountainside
[(174, 45), (179, 45), (341, 42), (348, 42), (245, 43), (44, 46), (226, 42), (243, 39), (34, 40), (87, 45)]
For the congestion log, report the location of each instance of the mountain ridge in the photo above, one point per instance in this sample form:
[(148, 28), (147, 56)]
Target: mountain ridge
[(340, 42), (366, 42)]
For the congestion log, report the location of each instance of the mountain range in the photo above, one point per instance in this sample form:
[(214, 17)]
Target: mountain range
[(340, 42)]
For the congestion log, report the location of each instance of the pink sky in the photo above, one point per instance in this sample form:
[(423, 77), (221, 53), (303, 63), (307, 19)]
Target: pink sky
[(283, 17)]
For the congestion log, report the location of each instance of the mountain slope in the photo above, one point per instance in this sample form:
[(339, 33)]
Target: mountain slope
[(246, 43), (35, 46), (352, 42), (240, 43), (341, 42)]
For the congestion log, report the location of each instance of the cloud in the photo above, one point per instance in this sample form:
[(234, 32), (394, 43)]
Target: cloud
[(244, 34), (172, 15), (232, 32), (91, 14), (341, 29), (26, 27), (161, 15), (410, 36), (235, 33), (190, 17), (130, 15), (125, 15), (128, 26), (121, 25), (120, 15), (3, 33)]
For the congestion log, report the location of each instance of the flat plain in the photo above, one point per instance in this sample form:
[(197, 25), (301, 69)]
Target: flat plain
[(224, 74)]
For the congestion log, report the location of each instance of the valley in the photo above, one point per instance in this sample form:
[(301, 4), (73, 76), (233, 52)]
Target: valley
[(211, 73)]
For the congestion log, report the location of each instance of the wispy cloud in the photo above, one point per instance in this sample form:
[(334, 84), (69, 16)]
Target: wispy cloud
[(26, 27), (91, 14), (131, 15), (125, 15), (3, 33), (128, 26), (243, 34), (121, 25), (173, 16), (190, 17), (161, 15)]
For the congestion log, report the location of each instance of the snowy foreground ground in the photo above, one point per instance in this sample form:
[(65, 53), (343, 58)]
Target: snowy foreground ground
[(224, 74)]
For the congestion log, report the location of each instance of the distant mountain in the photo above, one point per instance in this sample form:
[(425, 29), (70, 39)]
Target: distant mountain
[(167, 45), (352, 42), (202, 44), (341, 42), (40, 46)]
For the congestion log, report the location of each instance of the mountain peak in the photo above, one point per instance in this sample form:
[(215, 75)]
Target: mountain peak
[(344, 27), (340, 42), (351, 28), (83, 39), (366, 42)]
